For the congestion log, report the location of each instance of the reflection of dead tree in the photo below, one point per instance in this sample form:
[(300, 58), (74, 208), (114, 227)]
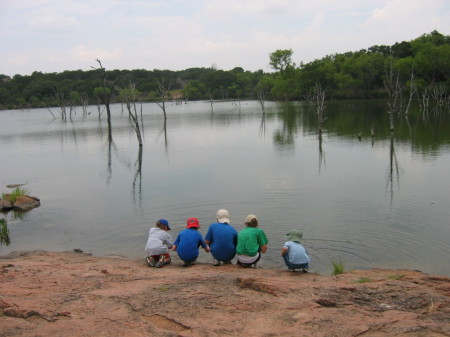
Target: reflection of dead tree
[(262, 127), (319, 101), (130, 95), (137, 180), (163, 90), (393, 169), (211, 101), (321, 153)]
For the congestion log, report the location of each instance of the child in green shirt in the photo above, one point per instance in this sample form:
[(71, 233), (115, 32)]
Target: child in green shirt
[(252, 241)]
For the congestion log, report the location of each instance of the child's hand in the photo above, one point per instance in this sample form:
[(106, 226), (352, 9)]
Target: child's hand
[(174, 248), (207, 249)]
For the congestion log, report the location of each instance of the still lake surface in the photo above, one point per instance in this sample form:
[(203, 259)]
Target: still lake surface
[(381, 201)]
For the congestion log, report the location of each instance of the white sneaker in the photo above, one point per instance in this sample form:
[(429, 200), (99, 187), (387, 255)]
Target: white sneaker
[(150, 261), (216, 262), (161, 261)]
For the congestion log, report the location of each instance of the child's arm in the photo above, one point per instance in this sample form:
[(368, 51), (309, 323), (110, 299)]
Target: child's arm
[(284, 251), (174, 248)]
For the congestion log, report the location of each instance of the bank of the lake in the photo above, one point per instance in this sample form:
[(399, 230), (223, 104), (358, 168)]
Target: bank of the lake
[(76, 294)]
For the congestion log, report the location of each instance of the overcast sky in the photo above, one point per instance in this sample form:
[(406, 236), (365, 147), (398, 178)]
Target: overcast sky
[(58, 35)]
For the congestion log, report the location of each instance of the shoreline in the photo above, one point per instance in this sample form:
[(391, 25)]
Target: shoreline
[(77, 294)]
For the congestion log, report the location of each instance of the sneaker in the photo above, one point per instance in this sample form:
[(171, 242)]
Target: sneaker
[(255, 265), (305, 270), (161, 262), (216, 262), (184, 263), (150, 261), (227, 262)]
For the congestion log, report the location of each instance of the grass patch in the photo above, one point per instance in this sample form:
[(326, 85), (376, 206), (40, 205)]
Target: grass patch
[(17, 192), (364, 280), (396, 277), (338, 266), (164, 288), (4, 233)]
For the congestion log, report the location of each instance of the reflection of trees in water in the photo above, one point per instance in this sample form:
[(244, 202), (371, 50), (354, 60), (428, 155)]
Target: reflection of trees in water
[(393, 171), (322, 160)]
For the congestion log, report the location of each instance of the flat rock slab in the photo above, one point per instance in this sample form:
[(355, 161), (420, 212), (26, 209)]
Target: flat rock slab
[(75, 294)]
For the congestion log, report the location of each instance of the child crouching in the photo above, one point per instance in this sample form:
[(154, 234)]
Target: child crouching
[(188, 241), (294, 254), (158, 244)]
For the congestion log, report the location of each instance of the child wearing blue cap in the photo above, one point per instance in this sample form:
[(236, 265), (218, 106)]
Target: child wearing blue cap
[(158, 244)]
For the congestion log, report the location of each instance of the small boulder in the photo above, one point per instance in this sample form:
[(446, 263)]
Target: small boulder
[(26, 203), (5, 205)]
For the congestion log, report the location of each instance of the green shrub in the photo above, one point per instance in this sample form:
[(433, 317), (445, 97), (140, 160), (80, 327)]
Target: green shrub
[(17, 192), (338, 266), (4, 233)]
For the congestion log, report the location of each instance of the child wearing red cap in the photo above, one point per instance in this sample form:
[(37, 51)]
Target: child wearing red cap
[(188, 241), (158, 244)]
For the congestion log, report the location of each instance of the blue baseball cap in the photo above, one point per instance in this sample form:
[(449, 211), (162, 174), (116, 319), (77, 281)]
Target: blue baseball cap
[(165, 223)]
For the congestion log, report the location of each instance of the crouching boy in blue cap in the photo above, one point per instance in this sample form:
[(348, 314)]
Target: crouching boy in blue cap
[(158, 244), (294, 254)]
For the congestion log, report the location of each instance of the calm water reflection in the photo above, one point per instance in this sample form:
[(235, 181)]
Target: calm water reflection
[(379, 201)]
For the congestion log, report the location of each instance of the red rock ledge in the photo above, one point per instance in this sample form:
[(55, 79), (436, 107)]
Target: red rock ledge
[(75, 294)]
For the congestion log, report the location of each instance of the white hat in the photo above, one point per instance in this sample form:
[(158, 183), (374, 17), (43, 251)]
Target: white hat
[(249, 217), (223, 216)]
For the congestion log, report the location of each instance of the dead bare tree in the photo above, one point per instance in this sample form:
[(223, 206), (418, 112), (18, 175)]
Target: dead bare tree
[(130, 95), (61, 101), (163, 90), (319, 95), (84, 104), (108, 87), (261, 93), (394, 91)]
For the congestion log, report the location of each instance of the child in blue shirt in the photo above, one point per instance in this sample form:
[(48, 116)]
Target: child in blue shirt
[(188, 241), (294, 254), (222, 238)]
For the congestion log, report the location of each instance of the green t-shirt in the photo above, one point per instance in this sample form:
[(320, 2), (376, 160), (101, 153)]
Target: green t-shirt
[(250, 239)]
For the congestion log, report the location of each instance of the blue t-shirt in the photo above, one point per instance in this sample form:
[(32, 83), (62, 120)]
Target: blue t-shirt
[(223, 240), (297, 253), (187, 242)]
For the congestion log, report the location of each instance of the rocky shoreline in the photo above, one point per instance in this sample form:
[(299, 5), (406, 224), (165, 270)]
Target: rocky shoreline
[(75, 294)]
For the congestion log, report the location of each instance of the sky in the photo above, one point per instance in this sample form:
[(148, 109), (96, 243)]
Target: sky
[(57, 35)]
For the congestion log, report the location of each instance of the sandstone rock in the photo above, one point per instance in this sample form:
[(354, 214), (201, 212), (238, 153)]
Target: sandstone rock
[(26, 203), (5, 205)]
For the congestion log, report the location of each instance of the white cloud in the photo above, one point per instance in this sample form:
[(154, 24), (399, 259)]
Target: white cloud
[(53, 35)]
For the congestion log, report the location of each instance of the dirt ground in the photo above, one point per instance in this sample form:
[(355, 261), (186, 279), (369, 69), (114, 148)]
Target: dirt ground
[(75, 294)]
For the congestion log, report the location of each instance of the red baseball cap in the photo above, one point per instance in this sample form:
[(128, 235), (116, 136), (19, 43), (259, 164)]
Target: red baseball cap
[(192, 223)]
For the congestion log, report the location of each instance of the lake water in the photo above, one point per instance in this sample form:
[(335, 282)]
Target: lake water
[(381, 201)]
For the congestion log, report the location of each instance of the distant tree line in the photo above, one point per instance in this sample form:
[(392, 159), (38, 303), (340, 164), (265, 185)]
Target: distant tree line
[(419, 68)]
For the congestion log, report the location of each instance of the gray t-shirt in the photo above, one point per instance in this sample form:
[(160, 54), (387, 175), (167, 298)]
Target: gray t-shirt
[(159, 242)]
